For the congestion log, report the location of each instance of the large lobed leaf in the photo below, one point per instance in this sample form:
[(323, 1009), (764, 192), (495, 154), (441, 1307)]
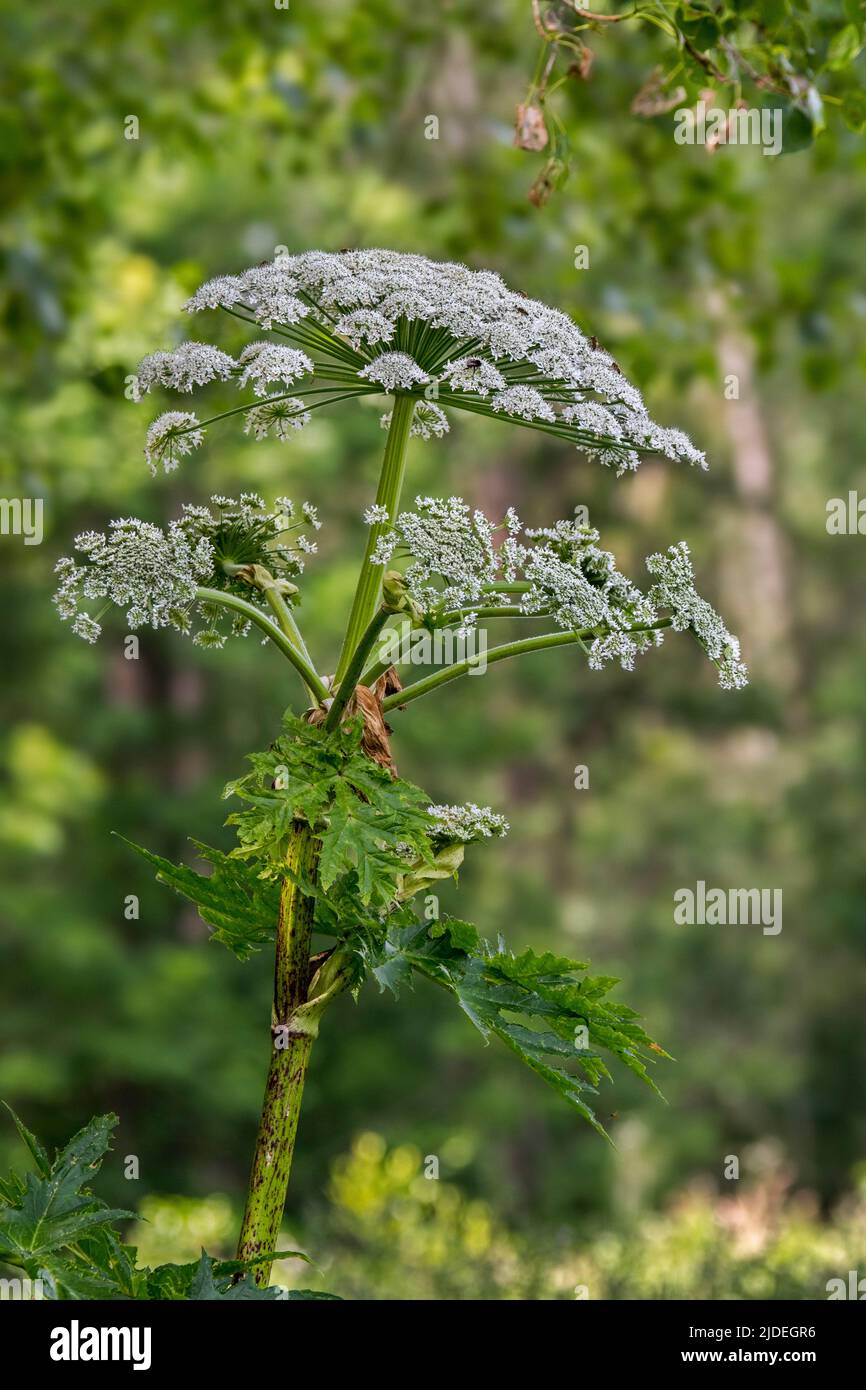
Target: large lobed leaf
[(52, 1208), (545, 1008), (54, 1229), (239, 906), (375, 847), (369, 823)]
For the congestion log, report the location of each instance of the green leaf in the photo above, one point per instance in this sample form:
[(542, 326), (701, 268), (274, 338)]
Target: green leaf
[(56, 1209), (544, 1008), (210, 1276), (415, 948), (844, 47), (239, 907), (205, 1288), (43, 1163), (53, 1228), (371, 825), (212, 1280), (363, 837)]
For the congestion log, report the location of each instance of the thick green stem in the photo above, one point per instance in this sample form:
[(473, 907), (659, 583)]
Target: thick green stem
[(508, 649), (292, 1035), (369, 585)]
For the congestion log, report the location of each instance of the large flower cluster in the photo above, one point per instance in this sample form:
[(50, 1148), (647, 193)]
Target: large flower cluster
[(452, 556), (157, 575), (151, 573), (384, 321), (460, 562)]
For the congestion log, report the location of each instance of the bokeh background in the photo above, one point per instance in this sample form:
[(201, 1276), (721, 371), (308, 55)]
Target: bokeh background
[(306, 127)]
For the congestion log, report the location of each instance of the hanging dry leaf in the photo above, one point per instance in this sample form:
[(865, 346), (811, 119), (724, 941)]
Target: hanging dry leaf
[(375, 740), (582, 68), (530, 132)]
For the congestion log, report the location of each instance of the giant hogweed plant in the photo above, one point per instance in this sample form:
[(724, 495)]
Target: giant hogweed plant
[(336, 854)]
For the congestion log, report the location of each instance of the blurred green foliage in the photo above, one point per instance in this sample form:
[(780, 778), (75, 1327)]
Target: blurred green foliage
[(395, 1229), (306, 127)]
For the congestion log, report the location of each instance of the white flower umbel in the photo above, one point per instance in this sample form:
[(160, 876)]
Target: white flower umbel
[(137, 566), (579, 585), (278, 418), (489, 350), (365, 326), (269, 290), (674, 588), (266, 364), (191, 364), (245, 533), (169, 437), (466, 823), (459, 561), (222, 292), (239, 547), (450, 549), (85, 627), (473, 374), (396, 371), (523, 401), (376, 515), (561, 588), (428, 422)]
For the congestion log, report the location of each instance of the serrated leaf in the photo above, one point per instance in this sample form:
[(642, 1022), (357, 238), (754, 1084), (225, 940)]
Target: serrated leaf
[(57, 1209), (37, 1151), (205, 1287), (240, 907), (174, 1282), (413, 948), (371, 825), (544, 1008)]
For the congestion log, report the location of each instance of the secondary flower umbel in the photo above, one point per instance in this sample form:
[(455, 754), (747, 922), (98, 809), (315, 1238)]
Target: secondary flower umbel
[(466, 823), (231, 547), (382, 322), (460, 563)]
